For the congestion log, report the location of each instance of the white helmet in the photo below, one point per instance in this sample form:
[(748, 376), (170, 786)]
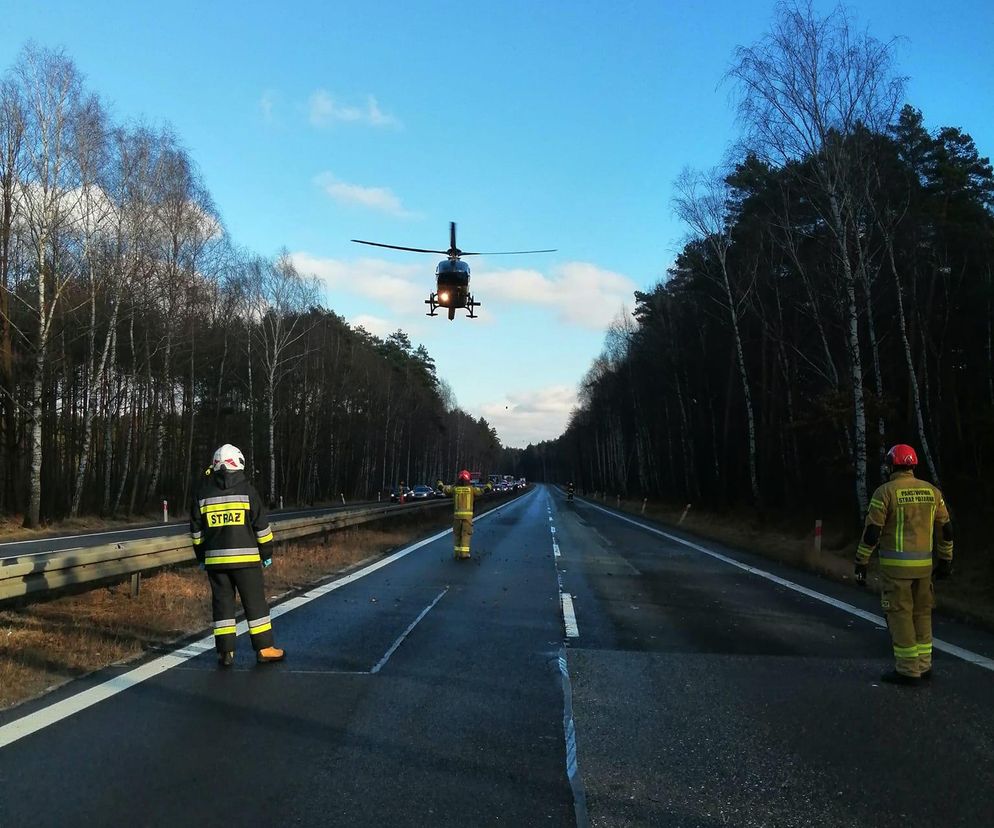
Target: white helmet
[(228, 457)]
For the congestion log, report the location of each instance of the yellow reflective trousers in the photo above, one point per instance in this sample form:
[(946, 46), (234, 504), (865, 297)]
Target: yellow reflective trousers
[(908, 603), (462, 531)]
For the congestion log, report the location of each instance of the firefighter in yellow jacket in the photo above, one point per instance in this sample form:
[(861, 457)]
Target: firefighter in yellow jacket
[(464, 494), (232, 540), (906, 520)]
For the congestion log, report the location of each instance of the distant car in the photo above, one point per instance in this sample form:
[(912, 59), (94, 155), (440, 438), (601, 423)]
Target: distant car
[(422, 492), (397, 490)]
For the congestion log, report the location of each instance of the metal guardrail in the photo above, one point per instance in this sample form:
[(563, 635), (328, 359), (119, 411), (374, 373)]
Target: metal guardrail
[(74, 567)]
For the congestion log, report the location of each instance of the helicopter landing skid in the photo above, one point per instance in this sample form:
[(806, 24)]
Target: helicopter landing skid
[(433, 306)]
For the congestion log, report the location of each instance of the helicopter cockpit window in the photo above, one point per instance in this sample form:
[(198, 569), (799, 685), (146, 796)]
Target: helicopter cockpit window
[(453, 272)]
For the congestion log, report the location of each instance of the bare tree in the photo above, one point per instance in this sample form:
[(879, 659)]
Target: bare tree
[(49, 196), (12, 159), (94, 223), (280, 296), (702, 203), (804, 91)]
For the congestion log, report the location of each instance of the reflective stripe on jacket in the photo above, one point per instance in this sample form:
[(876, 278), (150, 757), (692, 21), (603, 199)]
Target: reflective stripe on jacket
[(228, 522), (463, 497), (909, 515)]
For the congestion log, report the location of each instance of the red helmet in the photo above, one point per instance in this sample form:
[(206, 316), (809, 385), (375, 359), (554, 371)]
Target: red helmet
[(902, 455), (464, 476)]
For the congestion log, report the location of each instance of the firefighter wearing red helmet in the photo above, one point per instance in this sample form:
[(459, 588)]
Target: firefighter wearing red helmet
[(464, 494), (906, 521)]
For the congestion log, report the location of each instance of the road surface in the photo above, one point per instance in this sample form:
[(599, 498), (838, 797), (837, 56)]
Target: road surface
[(427, 691)]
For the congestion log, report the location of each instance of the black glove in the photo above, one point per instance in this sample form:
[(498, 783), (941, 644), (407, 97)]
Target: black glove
[(859, 571), (942, 569)]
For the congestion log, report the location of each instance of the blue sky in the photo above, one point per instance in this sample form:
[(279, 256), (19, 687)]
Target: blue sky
[(556, 124)]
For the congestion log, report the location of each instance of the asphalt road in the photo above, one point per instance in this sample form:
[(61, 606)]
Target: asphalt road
[(707, 695), (429, 692)]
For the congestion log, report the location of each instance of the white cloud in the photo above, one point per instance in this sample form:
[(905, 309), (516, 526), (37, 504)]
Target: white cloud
[(376, 325), (582, 293), (396, 287), (324, 109), (382, 199), (267, 103), (532, 415)]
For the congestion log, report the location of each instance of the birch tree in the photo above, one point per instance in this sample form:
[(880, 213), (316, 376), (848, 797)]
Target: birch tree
[(803, 91), (49, 196), (701, 202)]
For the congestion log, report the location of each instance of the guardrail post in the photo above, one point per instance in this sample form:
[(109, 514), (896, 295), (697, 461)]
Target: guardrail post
[(165, 511), (136, 582), (684, 515)]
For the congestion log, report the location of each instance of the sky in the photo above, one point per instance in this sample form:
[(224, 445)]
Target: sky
[(557, 124)]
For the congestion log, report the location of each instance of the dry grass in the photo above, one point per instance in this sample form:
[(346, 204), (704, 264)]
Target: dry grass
[(47, 644), (968, 596)]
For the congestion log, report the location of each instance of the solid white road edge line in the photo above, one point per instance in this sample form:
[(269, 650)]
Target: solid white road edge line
[(569, 615), (40, 719), (952, 649), (400, 639)]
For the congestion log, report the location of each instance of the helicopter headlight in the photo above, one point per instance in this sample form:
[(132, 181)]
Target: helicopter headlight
[(444, 296)]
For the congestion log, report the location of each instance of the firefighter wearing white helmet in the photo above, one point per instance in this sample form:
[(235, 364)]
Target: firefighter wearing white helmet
[(906, 520), (232, 540), (463, 493)]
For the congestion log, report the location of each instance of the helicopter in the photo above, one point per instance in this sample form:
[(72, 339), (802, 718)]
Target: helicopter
[(451, 275)]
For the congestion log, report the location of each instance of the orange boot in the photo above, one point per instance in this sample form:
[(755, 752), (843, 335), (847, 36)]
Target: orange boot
[(268, 654)]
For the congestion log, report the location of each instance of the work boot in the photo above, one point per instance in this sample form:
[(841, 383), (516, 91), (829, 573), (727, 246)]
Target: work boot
[(894, 677), (226, 659), (268, 654)]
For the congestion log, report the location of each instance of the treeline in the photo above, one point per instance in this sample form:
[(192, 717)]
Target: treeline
[(834, 297), (135, 336)]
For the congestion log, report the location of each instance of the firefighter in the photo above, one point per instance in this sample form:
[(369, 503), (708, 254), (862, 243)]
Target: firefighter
[(907, 517), (464, 493), (233, 542)]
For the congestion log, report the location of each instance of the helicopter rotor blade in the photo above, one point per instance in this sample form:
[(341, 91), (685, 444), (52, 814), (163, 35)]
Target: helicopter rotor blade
[(398, 247), (510, 252), (452, 235)]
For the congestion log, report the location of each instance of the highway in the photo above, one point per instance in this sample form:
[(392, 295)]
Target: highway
[(704, 687)]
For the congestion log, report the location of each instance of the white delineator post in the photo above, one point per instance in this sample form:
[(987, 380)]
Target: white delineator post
[(818, 537), (684, 515), (644, 501), (281, 501), (342, 496), (165, 511)]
